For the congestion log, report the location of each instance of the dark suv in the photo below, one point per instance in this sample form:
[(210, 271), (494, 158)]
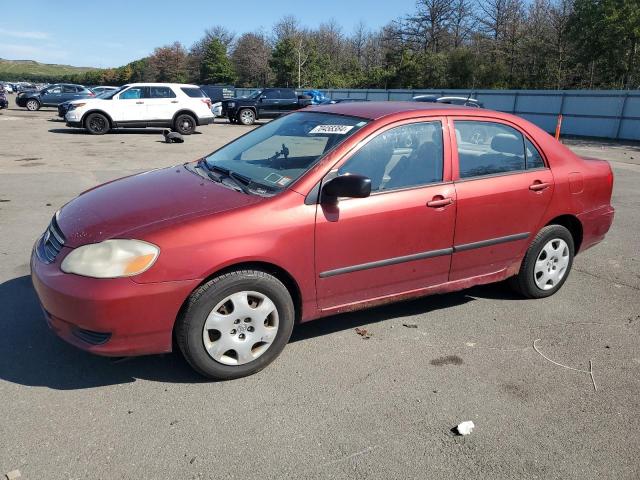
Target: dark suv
[(265, 103), (52, 96)]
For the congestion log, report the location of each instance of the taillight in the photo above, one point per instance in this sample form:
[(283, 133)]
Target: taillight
[(91, 94), (207, 101)]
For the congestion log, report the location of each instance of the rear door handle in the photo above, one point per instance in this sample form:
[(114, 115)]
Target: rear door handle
[(139, 103), (538, 185), (439, 201), (174, 101)]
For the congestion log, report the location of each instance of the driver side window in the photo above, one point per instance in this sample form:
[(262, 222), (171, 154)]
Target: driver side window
[(54, 90), (133, 93), (402, 157)]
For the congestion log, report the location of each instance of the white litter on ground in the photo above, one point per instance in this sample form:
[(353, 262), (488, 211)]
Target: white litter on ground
[(13, 475), (465, 428)]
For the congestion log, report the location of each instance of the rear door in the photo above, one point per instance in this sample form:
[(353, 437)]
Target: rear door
[(400, 238), (161, 103), (503, 188), (288, 101), (69, 92)]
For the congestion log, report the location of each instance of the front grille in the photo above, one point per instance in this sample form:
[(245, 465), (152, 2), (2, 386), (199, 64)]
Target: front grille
[(50, 243), (89, 336)]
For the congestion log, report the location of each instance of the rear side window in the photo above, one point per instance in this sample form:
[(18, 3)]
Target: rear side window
[(270, 94), (68, 89), (402, 157), (193, 92), (534, 159), (161, 92), (487, 148)]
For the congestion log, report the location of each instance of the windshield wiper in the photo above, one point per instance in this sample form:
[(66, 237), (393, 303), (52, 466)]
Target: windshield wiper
[(238, 180)]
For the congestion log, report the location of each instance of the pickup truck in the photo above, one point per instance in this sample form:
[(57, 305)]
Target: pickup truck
[(265, 103)]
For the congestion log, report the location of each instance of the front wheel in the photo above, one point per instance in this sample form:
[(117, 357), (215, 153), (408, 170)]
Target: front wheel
[(546, 264), (97, 124), (246, 116), (185, 124), (33, 105), (236, 324)]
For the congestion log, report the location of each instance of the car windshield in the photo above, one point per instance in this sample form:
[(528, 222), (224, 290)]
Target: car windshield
[(110, 93), (278, 153)]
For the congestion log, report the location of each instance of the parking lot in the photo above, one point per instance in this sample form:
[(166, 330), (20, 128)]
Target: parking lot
[(335, 404)]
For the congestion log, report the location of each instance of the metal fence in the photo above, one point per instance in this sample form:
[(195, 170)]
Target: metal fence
[(587, 113)]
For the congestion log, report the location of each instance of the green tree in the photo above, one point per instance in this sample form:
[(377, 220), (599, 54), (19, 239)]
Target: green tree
[(216, 66), (284, 63)]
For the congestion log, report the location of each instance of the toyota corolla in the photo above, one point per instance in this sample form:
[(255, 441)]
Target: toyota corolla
[(322, 211)]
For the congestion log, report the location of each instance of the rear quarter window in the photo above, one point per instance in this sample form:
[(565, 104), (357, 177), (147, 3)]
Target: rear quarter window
[(193, 92)]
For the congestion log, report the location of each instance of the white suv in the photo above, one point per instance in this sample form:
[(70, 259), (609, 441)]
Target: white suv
[(173, 105)]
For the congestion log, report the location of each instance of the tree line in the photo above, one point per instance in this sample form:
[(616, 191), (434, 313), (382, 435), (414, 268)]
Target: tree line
[(468, 44)]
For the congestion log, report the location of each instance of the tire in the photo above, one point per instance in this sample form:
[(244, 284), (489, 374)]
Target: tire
[(221, 346), (185, 124), (97, 124), (32, 105), (246, 116), (547, 263)]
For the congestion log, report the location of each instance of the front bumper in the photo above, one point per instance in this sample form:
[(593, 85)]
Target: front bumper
[(21, 101), (112, 317)]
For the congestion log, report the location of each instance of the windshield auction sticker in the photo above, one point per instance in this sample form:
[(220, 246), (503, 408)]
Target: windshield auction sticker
[(332, 129)]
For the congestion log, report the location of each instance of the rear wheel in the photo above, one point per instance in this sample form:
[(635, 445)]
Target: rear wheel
[(235, 324), (246, 116), (185, 124), (33, 105), (97, 124), (546, 264)]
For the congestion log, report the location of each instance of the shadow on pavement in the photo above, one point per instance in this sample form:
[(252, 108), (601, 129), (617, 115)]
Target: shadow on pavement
[(32, 355)]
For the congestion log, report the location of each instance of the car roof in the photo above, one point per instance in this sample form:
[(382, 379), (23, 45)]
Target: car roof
[(159, 84), (375, 110)]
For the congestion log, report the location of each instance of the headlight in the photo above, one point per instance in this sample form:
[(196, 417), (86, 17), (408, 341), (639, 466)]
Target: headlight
[(231, 104), (111, 259), (73, 106)]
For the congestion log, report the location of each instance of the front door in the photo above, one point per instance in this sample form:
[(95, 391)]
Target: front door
[(52, 96), (130, 106), (268, 104), (503, 188), (400, 238)]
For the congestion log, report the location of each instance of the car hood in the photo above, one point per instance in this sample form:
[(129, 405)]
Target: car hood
[(85, 100), (144, 201)]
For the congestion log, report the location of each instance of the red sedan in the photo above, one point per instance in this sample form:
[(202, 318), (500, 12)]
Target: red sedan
[(325, 210)]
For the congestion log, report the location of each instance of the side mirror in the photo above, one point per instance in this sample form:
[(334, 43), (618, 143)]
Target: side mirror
[(351, 186)]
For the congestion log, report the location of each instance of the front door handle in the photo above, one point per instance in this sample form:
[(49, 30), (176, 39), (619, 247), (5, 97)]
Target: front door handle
[(538, 185), (439, 201), (174, 101), (139, 103)]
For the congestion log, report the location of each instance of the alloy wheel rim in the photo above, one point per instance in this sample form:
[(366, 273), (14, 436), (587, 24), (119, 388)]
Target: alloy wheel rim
[(240, 328), (246, 116), (32, 105), (97, 124), (551, 264), (186, 125)]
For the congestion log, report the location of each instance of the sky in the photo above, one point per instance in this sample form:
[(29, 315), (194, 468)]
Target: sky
[(96, 34)]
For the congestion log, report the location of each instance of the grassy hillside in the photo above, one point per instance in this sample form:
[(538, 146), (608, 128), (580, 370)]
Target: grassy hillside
[(35, 71)]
